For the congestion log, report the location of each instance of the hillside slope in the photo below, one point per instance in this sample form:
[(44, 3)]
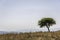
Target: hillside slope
[(32, 36)]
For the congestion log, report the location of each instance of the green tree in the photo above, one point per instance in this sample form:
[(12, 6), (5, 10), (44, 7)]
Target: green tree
[(46, 22)]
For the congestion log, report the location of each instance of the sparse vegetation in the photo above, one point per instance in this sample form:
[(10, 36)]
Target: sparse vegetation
[(32, 36), (35, 35)]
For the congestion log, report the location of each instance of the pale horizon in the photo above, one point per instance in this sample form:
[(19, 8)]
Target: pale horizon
[(18, 15)]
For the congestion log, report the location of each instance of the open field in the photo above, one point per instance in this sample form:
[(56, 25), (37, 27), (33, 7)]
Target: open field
[(32, 36)]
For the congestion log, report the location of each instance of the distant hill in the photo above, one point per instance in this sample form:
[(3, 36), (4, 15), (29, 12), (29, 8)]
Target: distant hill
[(3, 32)]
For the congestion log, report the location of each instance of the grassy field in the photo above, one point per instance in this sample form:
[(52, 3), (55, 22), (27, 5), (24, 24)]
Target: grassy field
[(32, 36)]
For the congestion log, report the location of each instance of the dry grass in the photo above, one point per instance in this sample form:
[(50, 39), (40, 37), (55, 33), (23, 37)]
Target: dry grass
[(32, 36)]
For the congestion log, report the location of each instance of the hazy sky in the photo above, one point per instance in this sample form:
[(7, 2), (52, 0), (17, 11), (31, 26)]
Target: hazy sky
[(24, 14)]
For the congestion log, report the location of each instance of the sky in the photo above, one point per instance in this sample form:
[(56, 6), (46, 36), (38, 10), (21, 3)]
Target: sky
[(17, 15)]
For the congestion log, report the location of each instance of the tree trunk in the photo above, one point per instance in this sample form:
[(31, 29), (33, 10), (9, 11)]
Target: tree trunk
[(48, 27)]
